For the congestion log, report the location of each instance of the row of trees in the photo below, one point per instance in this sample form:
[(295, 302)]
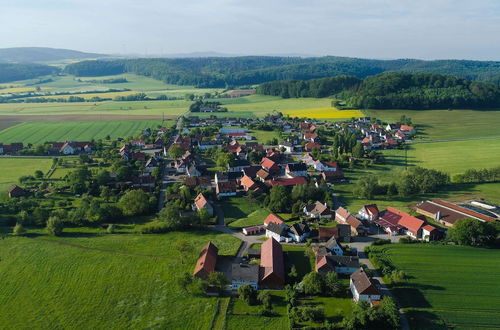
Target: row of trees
[(479, 176)]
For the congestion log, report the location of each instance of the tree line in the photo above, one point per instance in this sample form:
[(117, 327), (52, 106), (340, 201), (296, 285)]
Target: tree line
[(20, 71), (221, 72)]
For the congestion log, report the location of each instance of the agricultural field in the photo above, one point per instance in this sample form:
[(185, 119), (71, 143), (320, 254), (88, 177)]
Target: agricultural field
[(103, 281), (455, 284), (13, 168), (36, 133), (324, 113)]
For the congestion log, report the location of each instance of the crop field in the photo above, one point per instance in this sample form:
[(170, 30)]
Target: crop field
[(13, 168), (36, 133), (455, 284), (10, 90), (88, 96), (324, 113), (103, 281)]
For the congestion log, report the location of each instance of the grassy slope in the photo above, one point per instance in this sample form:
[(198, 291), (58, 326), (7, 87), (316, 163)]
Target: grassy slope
[(79, 131), (236, 208), (13, 168), (466, 294), (67, 287)]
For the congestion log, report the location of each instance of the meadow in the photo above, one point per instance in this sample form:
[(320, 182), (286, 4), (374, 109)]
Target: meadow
[(11, 169), (455, 284), (103, 281), (36, 133)]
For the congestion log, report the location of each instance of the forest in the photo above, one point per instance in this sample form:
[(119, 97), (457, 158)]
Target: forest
[(14, 71), (392, 90), (221, 72)]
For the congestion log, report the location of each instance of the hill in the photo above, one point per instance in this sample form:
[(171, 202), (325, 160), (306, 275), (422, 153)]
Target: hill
[(20, 71), (219, 72), (42, 54)]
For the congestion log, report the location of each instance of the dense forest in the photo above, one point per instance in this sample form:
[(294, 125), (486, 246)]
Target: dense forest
[(248, 70), (12, 72), (392, 90)]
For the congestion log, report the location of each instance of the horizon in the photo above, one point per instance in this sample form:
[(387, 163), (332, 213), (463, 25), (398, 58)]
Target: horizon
[(390, 29)]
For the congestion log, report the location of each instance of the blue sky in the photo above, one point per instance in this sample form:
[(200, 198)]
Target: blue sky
[(358, 28)]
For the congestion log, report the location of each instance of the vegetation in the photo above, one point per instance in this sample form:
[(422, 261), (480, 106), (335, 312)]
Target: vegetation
[(440, 279), (473, 232), (20, 71)]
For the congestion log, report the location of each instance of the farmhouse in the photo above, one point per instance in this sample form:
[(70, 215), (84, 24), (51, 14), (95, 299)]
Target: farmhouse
[(272, 265), (15, 191), (343, 216), (332, 176), (269, 165), (287, 146), (317, 210), (363, 288), (286, 181), (369, 212), (225, 189), (200, 202), (389, 221), (299, 231), (345, 265), (334, 246), (295, 169), (206, 261), (244, 274), (277, 232), (341, 232)]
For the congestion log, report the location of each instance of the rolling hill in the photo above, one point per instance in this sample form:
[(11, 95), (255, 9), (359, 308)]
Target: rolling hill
[(42, 54)]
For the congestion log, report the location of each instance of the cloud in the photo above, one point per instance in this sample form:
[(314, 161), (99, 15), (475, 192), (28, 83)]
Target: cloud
[(363, 28)]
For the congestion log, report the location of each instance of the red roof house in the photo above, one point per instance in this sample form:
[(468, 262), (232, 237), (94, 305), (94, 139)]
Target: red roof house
[(272, 265), (206, 261)]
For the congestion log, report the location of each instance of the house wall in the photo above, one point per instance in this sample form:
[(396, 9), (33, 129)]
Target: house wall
[(345, 270), (236, 284)]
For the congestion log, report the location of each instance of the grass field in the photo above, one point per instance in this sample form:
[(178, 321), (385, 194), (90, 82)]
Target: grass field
[(253, 219), (458, 285), (120, 286), (236, 208), (36, 133), (13, 168)]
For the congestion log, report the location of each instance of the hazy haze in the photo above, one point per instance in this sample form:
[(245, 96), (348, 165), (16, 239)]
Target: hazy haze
[(359, 28)]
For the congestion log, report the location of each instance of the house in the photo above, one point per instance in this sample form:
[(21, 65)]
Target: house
[(312, 137), (225, 189), (293, 170), (202, 181), (180, 165), (263, 175), (310, 146), (138, 143), (430, 233), (248, 183), (317, 210), (412, 226), (206, 261), (279, 233), (227, 176), (286, 146), (67, 149), (345, 265), (343, 216), (322, 166), (151, 164), (238, 165), (389, 221), (272, 265), (369, 212), (299, 231), (274, 218), (286, 181), (15, 191), (332, 176), (193, 171), (252, 230), (244, 274), (251, 171), (363, 288), (334, 246), (240, 136), (200, 202), (1, 148), (269, 165)]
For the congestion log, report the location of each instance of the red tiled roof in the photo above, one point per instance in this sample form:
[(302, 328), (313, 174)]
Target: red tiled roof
[(464, 210), (200, 201), (429, 228), (273, 218), (287, 181), (271, 259), (247, 182), (328, 232), (207, 260), (267, 163), (363, 283), (312, 145)]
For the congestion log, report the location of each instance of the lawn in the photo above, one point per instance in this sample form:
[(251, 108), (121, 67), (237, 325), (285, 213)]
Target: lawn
[(454, 284), (253, 219), (236, 208), (13, 168), (120, 286), (36, 133), (264, 136)]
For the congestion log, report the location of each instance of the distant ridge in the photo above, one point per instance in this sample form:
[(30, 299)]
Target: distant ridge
[(42, 54)]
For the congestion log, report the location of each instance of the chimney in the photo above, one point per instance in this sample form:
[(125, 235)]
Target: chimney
[(437, 216)]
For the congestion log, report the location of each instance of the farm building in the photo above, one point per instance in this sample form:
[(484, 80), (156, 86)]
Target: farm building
[(15, 191), (341, 232), (274, 218), (272, 271), (369, 212), (244, 274), (253, 230), (363, 288), (278, 232), (343, 216), (206, 261), (299, 231), (448, 213), (345, 265)]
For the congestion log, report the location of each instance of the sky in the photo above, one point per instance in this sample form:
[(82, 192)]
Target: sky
[(384, 29)]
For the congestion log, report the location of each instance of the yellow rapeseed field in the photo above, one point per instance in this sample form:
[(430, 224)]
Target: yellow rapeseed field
[(20, 89), (323, 112), (91, 95)]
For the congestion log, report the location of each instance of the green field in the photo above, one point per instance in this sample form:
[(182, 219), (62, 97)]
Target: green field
[(458, 285), (236, 208), (13, 168), (36, 133), (130, 282)]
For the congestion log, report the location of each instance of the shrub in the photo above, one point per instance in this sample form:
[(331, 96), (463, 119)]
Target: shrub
[(381, 242), (155, 227)]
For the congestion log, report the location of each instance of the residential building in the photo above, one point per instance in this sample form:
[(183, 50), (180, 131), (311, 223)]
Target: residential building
[(293, 170), (200, 202), (317, 210), (299, 232), (345, 265), (363, 288), (369, 212)]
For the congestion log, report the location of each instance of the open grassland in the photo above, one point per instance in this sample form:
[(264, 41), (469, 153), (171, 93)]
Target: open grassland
[(36, 133), (451, 157), (10, 90), (458, 285), (324, 113), (87, 96), (108, 281), (13, 168), (446, 124), (236, 208)]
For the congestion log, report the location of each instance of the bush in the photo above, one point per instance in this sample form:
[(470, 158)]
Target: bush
[(155, 227), (18, 230), (381, 242), (54, 226)]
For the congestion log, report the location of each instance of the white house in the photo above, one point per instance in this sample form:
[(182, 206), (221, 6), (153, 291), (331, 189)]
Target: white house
[(67, 149), (298, 232), (363, 288), (278, 232), (244, 274), (317, 210), (287, 146), (369, 212), (334, 246), (325, 166)]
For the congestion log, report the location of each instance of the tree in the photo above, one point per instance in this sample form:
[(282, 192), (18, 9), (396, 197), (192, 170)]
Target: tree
[(247, 294), (175, 151), (23, 217), (291, 295), (54, 226), (134, 202), (171, 216), (265, 299), (106, 193), (365, 187), (278, 199), (472, 232), (358, 151), (185, 280), (312, 283), (185, 249), (38, 174), (18, 230), (110, 229), (293, 275), (217, 280), (204, 216), (333, 285)]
